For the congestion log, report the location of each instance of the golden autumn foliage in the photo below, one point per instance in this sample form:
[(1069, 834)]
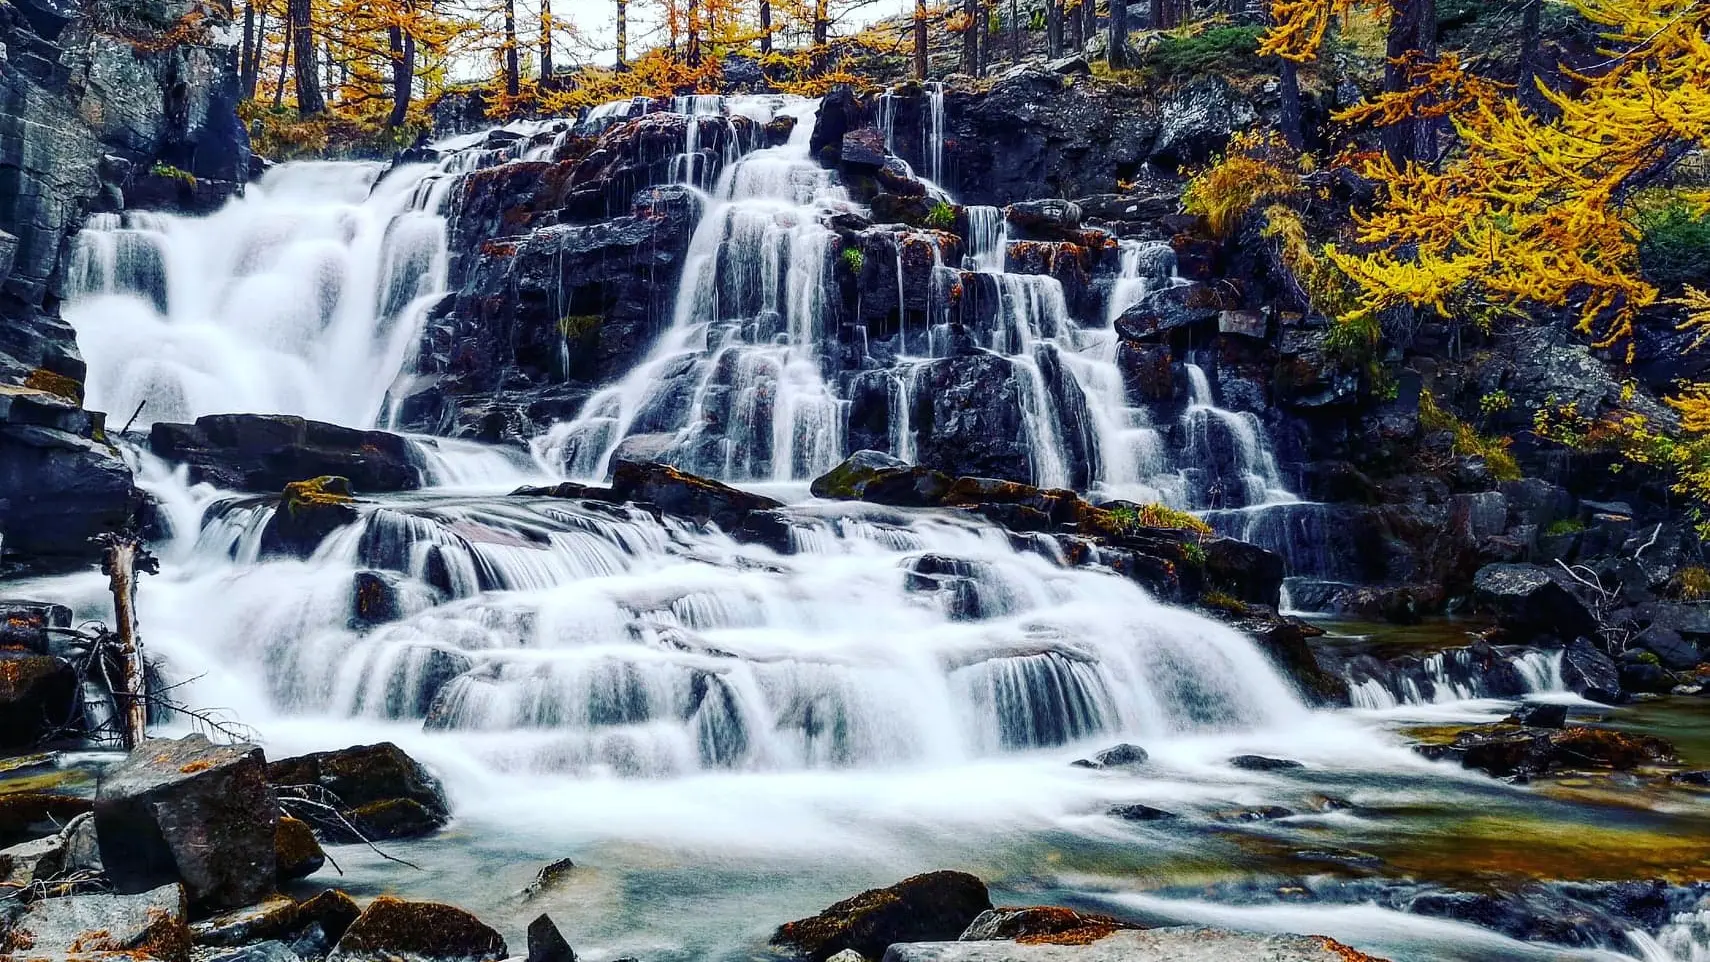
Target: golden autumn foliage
[(1257, 167)]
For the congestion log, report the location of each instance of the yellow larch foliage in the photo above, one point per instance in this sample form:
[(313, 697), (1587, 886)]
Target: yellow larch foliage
[(1258, 166)]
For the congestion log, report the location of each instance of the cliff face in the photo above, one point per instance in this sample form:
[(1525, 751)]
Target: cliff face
[(93, 96)]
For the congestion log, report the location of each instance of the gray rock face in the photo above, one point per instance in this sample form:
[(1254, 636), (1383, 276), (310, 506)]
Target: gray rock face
[(150, 922), (89, 104), (193, 812), (1589, 672), (1530, 600), (1199, 119), (1153, 945)]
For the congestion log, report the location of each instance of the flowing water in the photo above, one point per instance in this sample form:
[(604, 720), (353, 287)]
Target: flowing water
[(723, 735)]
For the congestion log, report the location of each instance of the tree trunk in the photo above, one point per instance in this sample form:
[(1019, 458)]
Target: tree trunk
[(1054, 28), (694, 37), (1014, 31), (1526, 83), (284, 60), (1118, 53), (920, 39), (513, 72), (765, 27), (308, 74), (246, 55), (403, 50), (971, 38), (1156, 13), (988, 34), (1077, 28), (1412, 28), (1289, 106), (545, 41), (1089, 14), (622, 35), (821, 35), (122, 559)]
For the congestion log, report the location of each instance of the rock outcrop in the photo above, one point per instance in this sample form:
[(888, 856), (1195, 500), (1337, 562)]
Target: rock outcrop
[(938, 905), (262, 452), (387, 793)]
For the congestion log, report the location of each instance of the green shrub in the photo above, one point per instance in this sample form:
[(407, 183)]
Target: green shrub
[(1674, 246), (1562, 526), (942, 216), (854, 259), (173, 173), (1218, 50)]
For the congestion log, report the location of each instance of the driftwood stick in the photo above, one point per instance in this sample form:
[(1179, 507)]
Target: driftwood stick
[(123, 559)]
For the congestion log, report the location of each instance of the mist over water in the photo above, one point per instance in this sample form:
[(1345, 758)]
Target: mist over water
[(724, 736)]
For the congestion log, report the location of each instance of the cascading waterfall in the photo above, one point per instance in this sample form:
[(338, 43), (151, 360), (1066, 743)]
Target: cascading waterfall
[(931, 132), (305, 296)]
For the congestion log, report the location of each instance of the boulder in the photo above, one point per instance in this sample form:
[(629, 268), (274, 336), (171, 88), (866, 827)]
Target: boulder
[(391, 928), (686, 495), (934, 906), (1588, 672), (38, 697), (265, 452), (1117, 756), (1140, 813), (28, 625), (862, 150), (1045, 219), (193, 812), (1175, 944), (149, 924), (297, 852), (308, 512), (1507, 751), (1261, 763), (387, 793), (1042, 924), (270, 918), (1198, 119), (1672, 649), (26, 816), (33, 861), (546, 943), (1530, 600), (890, 481), (1169, 313), (331, 912), (1543, 715)]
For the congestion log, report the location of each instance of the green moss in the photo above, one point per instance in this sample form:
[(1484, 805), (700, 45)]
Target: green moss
[(577, 326), (853, 259), (173, 173), (1674, 245), (1564, 526), (1221, 601), (1218, 50)]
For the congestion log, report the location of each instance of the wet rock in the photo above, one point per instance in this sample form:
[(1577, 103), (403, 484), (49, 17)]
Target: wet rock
[(686, 495), (1588, 672), (265, 452), (387, 793), (1172, 313), (1245, 572), (271, 951), (1539, 716), (193, 812), (1042, 924), (840, 111), (1505, 751), (1045, 219), (297, 853), (391, 928), (149, 924), (935, 906), (1530, 600), (548, 878), (1140, 813), (1671, 649), (1700, 777), (38, 697), (330, 912), (891, 480), (270, 918), (546, 943), (1646, 676), (1175, 944), (968, 418), (1285, 641), (1117, 756), (862, 150), (308, 512), (1260, 763), (1252, 813), (28, 625)]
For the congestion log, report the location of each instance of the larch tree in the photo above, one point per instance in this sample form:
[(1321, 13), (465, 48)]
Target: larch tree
[(920, 39), (307, 72)]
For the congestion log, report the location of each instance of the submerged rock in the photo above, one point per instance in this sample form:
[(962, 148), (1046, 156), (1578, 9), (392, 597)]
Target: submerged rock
[(934, 906), (1260, 763), (1117, 756), (1140, 813), (1507, 751), (546, 943), (391, 928), (387, 793), (1174, 944), (193, 812), (1042, 924)]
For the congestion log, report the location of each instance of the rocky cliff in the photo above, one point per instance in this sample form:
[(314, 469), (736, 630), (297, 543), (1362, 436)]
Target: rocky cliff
[(103, 103)]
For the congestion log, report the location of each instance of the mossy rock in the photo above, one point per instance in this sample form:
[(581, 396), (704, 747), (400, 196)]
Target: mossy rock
[(298, 852), (392, 928), (935, 907)]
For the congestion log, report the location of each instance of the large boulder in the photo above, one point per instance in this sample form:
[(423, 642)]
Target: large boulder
[(391, 929), (1042, 923), (28, 625), (1171, 313), (38, 697), (387, 793), (876, 476), (297, 851), (1587, 671), (190, 811), (969, 418), (1509, 751), (265, 452), (144, 925), (931, 907), (308, 512), (1531, 601), (686, 495), (1199, 119)]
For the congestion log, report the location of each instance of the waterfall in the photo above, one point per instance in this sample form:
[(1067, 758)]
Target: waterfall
[(304, 296), (931, 131), (1449, 676)]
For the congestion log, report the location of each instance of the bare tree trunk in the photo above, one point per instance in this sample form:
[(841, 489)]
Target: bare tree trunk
[(284, 60), (1157, 14), (1089, 14), (765, 27), (1054, 28), (246, 55), (1289, 107), (1118, 53), (403, 51), (920, 39), (308, 75), (1526, 83), (1412, 28), (1077, 28), (971, 38), (988, 34), (545, 41), (122, 559), (821, 35), (694, 38), (622, 34), (1014, 31), (513, 72)]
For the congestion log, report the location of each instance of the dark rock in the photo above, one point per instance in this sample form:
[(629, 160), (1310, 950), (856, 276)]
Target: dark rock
[(26, 816), (840, 111), (546, 943), (938, 906), (332, 912), (1539, 716), (308, 512), (1701, 777), (193, 812), (1284, 641), (1671, 649), (57, 491), (1041, 924), (391, 928), (893, 480), (1260, 763), (1046, 219), (1506, 752), (148, 924), (297, 852), (265, 452), (269, 919), (1530, 600), (968, 418), (1179, 310), (1120, 756), (686, 495), (549, 877), (1589, 672), (1245, 572), (862, 150), (1199, 119), (1253, 813), (38, 697), (28, 624), (1646, 677), (1141, 813), (387, 793)]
